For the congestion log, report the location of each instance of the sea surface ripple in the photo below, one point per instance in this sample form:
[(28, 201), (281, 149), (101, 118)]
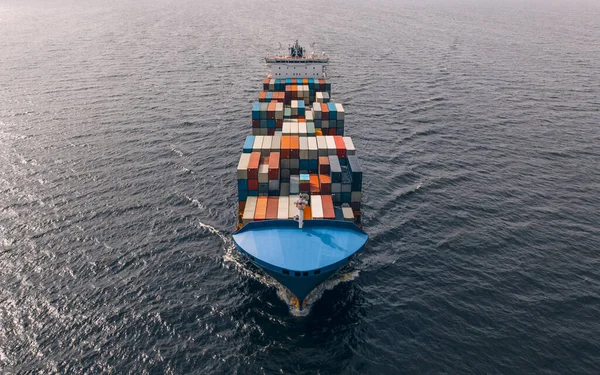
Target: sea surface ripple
[(477, 124)]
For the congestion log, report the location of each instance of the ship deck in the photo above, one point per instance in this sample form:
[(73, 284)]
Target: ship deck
[(320, 243)]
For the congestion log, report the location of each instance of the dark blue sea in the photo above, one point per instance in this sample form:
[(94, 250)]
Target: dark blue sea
[(477, 123)]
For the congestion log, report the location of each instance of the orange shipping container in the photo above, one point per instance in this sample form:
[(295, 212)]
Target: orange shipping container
[(285, 147), (272, 208), (307, 213), (271, 110), (328, 212), (253, 165), (314, 184), (340, 146), (274, 166), (294, 147), (324, 111), (261, 209)]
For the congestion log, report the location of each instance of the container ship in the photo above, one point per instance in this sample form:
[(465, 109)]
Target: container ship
[(299, 178)]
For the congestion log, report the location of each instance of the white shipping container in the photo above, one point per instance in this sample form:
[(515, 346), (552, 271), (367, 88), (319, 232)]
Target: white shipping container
[(322, 145), (348, 214), (303, 148), (258, 141), (302, 129), (248, 214), (283, 208), (317, 110), (340, 111), (330, 144), (313, 151), (266, 146), (263, 173), (309, 115), (350, 150), (276, 143), (294, 128), (279, 112), (316, 206), (242, 168), (286, 129)]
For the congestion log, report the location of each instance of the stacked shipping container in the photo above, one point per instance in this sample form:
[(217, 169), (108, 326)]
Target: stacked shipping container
[(298, 147)]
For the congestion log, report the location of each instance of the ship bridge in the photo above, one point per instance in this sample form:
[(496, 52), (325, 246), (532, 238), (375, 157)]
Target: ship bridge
[(298, 64)]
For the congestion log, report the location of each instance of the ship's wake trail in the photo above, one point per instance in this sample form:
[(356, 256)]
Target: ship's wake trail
[(316, 293), (232, 257)]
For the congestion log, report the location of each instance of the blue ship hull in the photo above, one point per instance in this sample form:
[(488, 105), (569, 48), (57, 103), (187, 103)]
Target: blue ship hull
[(300, 259)]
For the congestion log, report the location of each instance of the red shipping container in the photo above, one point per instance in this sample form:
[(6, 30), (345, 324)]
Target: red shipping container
[(253, 184), (253, 165), (272, 206), (340, 146), (324, 165), (256, 123), (325, 183), (274, 166), (328, 211), (270, 131)]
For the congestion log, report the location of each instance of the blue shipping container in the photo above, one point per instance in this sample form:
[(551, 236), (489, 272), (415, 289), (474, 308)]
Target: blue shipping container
[(248, 144)]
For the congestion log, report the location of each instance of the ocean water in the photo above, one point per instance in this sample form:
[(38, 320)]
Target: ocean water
[(477, 124)]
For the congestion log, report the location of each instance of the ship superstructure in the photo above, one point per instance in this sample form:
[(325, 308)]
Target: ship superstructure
[(297, 63), (299, 178)]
